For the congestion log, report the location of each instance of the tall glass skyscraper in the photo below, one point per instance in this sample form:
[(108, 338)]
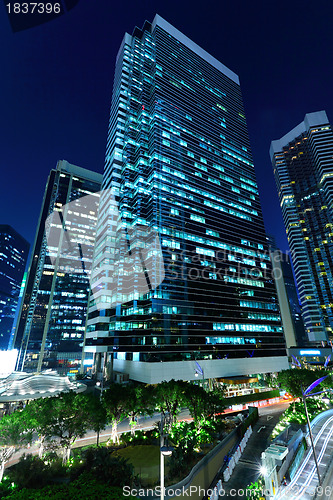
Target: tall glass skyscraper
[(51, 325), (303, 169), (179, 164), (13, 258)]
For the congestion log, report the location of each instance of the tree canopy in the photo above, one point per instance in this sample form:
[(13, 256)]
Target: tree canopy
[(294, 379), (115, 400), (13, 435)]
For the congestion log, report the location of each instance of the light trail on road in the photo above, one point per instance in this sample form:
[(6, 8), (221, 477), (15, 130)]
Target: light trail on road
[(297, 491)]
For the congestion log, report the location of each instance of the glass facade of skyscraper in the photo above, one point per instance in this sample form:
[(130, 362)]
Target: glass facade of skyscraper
[(178, 162), (53, 313), (13, 257), (303, 168)]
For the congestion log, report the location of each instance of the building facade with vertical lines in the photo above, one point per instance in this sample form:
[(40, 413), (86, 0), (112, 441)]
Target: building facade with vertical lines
[(14, 251), (54, 306), (178, 162), (303, 168)]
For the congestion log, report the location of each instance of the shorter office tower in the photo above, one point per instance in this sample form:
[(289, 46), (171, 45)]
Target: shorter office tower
[(290, 308), (303, 169), (14, 251), (51, 323)]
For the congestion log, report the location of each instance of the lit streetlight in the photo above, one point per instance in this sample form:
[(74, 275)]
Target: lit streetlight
[(200, 371), (100, 386), (305, 394), (165, 451)]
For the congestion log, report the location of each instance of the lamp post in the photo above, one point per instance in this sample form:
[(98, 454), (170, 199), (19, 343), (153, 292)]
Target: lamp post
[(311, 437), (165, 451), (200, 371), (101, 385), (305, 394)]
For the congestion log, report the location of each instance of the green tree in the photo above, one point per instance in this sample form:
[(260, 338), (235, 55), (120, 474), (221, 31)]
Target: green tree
[(293, 380), (13, 435), (256, 490), (40, 418), (170, 397), (140, 399), (271, 380), (70, 419), (116, 402), (96, 417), (217, 401), (198, 401)]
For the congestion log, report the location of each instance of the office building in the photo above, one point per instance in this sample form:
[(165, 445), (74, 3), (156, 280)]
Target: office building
[(13, 257), (51, 325), (179, 165), (303, 169), (290, 308)]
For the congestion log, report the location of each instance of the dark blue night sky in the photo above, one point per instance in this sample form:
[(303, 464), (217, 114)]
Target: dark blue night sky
[(56, 84)]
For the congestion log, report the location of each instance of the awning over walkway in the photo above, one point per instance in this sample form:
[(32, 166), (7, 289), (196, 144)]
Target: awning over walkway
[(20, 386)]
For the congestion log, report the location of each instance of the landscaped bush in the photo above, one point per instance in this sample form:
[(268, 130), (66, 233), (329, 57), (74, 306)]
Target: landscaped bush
[(256, 490), (85, 487), (93, 465), (6, 486), (140, 437), (30, 472), (295, 414), (188, 434), (103, 466), (181, 460)]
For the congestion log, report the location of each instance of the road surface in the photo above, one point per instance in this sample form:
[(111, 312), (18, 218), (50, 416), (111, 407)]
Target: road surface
[(247, 469), (305, 484)]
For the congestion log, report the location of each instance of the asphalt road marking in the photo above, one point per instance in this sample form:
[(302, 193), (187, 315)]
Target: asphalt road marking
[(249, 463)]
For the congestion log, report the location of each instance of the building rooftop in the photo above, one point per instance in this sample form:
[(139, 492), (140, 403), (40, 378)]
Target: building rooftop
[(310, 120), (65, 166), (162, 23)]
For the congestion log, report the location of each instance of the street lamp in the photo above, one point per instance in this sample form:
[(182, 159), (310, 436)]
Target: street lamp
[(263, 471), (165, 451), (200, 371), (305, 394), (100, 385)]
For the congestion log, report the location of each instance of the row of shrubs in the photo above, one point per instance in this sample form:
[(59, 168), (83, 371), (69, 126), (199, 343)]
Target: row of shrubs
[(98, 468)]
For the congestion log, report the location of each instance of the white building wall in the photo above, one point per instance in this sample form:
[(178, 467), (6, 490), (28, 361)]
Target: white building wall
[(154, 373)]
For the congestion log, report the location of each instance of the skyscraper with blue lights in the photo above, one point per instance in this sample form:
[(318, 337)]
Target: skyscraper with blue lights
[(51, 324), (13, 257), (302, 163), (178, 162)]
